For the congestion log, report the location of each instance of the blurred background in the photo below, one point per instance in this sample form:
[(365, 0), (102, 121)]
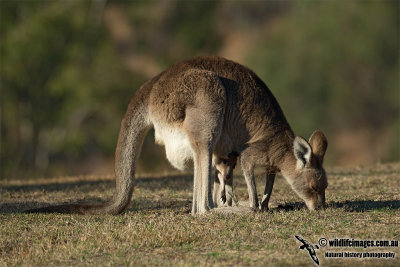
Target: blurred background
[(69, 68)]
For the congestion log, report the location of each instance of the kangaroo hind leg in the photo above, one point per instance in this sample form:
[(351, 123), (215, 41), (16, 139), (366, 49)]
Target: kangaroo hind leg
[(203, 126)]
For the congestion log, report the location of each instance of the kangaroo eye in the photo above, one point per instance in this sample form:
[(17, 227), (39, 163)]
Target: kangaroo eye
[(314, 188)]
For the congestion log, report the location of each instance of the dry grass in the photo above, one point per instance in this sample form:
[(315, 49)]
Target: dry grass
[(157, 229)]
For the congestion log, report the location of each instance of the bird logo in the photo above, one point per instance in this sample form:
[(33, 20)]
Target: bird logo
[(309, 247)]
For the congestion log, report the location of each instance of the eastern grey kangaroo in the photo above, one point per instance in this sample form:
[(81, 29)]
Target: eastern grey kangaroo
[(208, 107)]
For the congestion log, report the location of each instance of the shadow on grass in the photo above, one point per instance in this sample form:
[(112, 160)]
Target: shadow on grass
[(137, 205), (178, 182), (352, 206), (289, 206), (366, 205), (183, 206)]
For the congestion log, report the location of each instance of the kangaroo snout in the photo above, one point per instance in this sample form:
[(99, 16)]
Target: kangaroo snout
[(317, 202)]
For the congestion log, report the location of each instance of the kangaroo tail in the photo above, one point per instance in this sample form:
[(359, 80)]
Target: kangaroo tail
[(134, 128)]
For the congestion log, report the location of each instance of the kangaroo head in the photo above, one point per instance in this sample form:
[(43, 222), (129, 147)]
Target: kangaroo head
[(309, 178)]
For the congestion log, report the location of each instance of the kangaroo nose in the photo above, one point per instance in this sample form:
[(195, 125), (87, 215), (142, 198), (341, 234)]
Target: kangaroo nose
[(316, 203)]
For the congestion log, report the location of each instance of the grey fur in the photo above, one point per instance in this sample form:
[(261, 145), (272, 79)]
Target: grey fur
[(209, 107)]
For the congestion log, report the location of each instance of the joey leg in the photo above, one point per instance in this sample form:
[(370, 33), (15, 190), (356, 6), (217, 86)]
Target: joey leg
[(229, 190), (222, 195), (216, 189)]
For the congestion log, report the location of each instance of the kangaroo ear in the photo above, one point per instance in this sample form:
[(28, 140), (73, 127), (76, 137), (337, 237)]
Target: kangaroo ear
[(319, 144), (302, 151)]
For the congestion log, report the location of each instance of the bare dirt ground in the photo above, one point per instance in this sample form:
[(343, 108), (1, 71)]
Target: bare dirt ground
[(157, 228)]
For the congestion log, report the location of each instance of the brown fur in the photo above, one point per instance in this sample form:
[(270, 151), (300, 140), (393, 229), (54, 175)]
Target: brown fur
[(220, 107), (223, 186)]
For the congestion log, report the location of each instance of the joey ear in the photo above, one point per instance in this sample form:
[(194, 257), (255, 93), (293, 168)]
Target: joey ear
[(302, 151), (319, 144)]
